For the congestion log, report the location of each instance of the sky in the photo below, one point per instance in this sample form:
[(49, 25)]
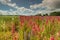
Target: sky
[(28, 7)]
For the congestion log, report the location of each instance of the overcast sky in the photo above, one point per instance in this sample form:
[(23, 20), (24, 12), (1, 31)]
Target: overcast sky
[(28, 7)]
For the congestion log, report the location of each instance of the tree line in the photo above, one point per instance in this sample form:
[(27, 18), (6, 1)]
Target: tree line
[(51, 14)]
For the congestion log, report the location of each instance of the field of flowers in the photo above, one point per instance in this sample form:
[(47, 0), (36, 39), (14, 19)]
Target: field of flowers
[(29, 27)]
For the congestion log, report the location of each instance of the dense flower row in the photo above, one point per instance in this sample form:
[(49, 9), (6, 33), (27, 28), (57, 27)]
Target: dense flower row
[(30, 28), (45, 27)]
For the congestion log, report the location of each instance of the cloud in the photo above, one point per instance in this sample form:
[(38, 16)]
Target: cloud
[(50, 4), (3, 12), (5, 1), (21, 11), (8, 3), (47, 4), (18, 11)]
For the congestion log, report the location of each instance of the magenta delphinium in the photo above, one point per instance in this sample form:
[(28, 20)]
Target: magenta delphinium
[(52, 38)]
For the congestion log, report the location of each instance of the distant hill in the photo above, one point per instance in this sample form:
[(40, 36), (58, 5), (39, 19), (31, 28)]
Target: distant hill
[(55, 14), (51, 14)]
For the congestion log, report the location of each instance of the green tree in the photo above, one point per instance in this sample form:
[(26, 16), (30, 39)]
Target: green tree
[(55, 14), (45, 14)]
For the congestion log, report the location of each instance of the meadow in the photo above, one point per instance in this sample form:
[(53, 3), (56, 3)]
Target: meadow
[(29, 27)]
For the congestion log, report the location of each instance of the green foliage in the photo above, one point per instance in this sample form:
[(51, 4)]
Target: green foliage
[(45, 14), (51, 14), (55, 14)]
